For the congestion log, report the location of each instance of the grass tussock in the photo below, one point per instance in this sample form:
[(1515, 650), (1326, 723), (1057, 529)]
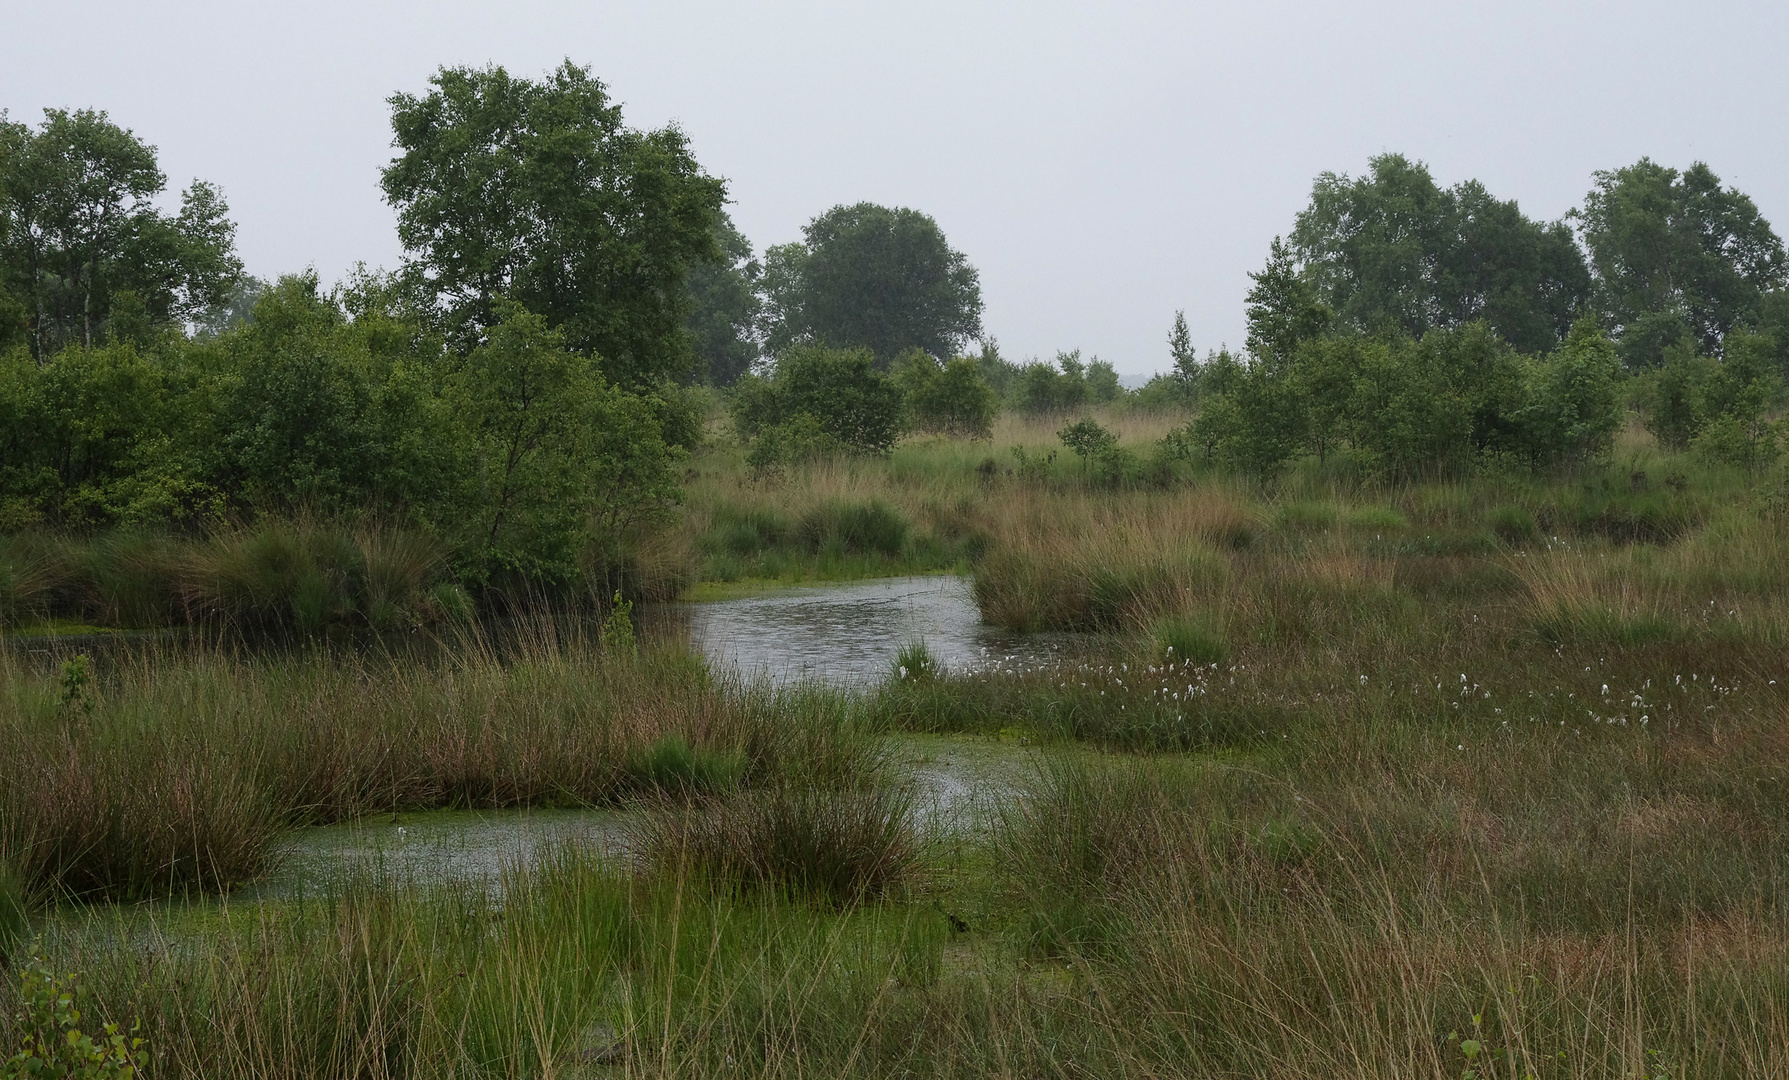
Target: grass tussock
[(840, 846), (171, 769)]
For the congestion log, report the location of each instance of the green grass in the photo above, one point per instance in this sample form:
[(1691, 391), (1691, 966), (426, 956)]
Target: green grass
[(172, 769), (1481, 776)]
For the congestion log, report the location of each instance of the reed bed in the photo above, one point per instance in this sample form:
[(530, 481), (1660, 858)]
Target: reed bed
[(160, 769), (1467, 778)]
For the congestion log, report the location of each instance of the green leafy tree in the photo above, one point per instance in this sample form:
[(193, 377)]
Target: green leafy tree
[(1393, 250), (867, 276), (536, 193), (1674, 400), (1323, 373), (1052, 387), (559, 455), (1000, 373), (1087, 438), (1101, 380), (1184, 362), (1677, 256), (81, 236), (835, 393), (306, 407), (725, 309), (1405, 412), (1256, 423), (951, 399), (1574, 406), (1283, 309)]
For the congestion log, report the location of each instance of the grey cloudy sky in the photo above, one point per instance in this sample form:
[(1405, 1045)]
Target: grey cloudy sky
[(1102, 164)]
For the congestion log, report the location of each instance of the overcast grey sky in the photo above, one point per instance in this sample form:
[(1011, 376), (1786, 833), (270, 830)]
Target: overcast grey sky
[(1102, 164)]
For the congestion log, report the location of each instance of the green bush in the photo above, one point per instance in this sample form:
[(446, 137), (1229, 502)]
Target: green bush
[(951, 399), (56, 1042), (840, 393)]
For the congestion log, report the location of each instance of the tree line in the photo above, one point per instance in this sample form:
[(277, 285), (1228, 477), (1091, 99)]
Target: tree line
[(1419, 328), (515, 388), (520, 385)]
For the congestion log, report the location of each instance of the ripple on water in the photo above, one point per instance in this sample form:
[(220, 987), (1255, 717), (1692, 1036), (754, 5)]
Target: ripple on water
[(849, 634)]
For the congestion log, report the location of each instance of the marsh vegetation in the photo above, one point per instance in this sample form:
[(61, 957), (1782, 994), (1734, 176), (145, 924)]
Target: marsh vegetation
[(1427, 713), (1349, 778)]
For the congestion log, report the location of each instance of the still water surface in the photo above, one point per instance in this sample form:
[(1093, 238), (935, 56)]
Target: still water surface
[(846, 635), (849, 634)]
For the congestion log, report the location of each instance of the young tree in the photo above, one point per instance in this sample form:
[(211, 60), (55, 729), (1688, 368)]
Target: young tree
[(1101, 380), (837, 394), (534, 193), (868, 276), (80, 233), (1283, 309), (1574, 405), (1185, 359), (1256, 422), (951, 399), (1045, 387), (1087, 439), (559, 455), (1404, 412)]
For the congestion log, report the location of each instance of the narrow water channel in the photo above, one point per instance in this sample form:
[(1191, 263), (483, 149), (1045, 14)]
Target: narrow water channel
[(846, 635)]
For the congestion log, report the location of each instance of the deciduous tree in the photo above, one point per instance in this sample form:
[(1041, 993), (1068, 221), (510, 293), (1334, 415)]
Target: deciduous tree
[(80, 234), (871, 277), (535, 193), (1677, 256)]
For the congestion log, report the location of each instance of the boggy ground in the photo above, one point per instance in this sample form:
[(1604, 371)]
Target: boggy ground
[(1480, 778)]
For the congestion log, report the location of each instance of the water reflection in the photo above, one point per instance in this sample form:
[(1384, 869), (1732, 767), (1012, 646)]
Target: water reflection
[(444, 846), (849, 634)]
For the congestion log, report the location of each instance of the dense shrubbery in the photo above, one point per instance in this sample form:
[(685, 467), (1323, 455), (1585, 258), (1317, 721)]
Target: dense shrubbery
[(1408, 406), (518, 459), (818, 402), (508, 399), (948, 399)]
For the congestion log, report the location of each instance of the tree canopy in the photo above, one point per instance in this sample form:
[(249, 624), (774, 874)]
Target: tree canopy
[(1393, 249), (535, 193), (725, 308), (1677, 256), (85, 254), (867, 276)]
